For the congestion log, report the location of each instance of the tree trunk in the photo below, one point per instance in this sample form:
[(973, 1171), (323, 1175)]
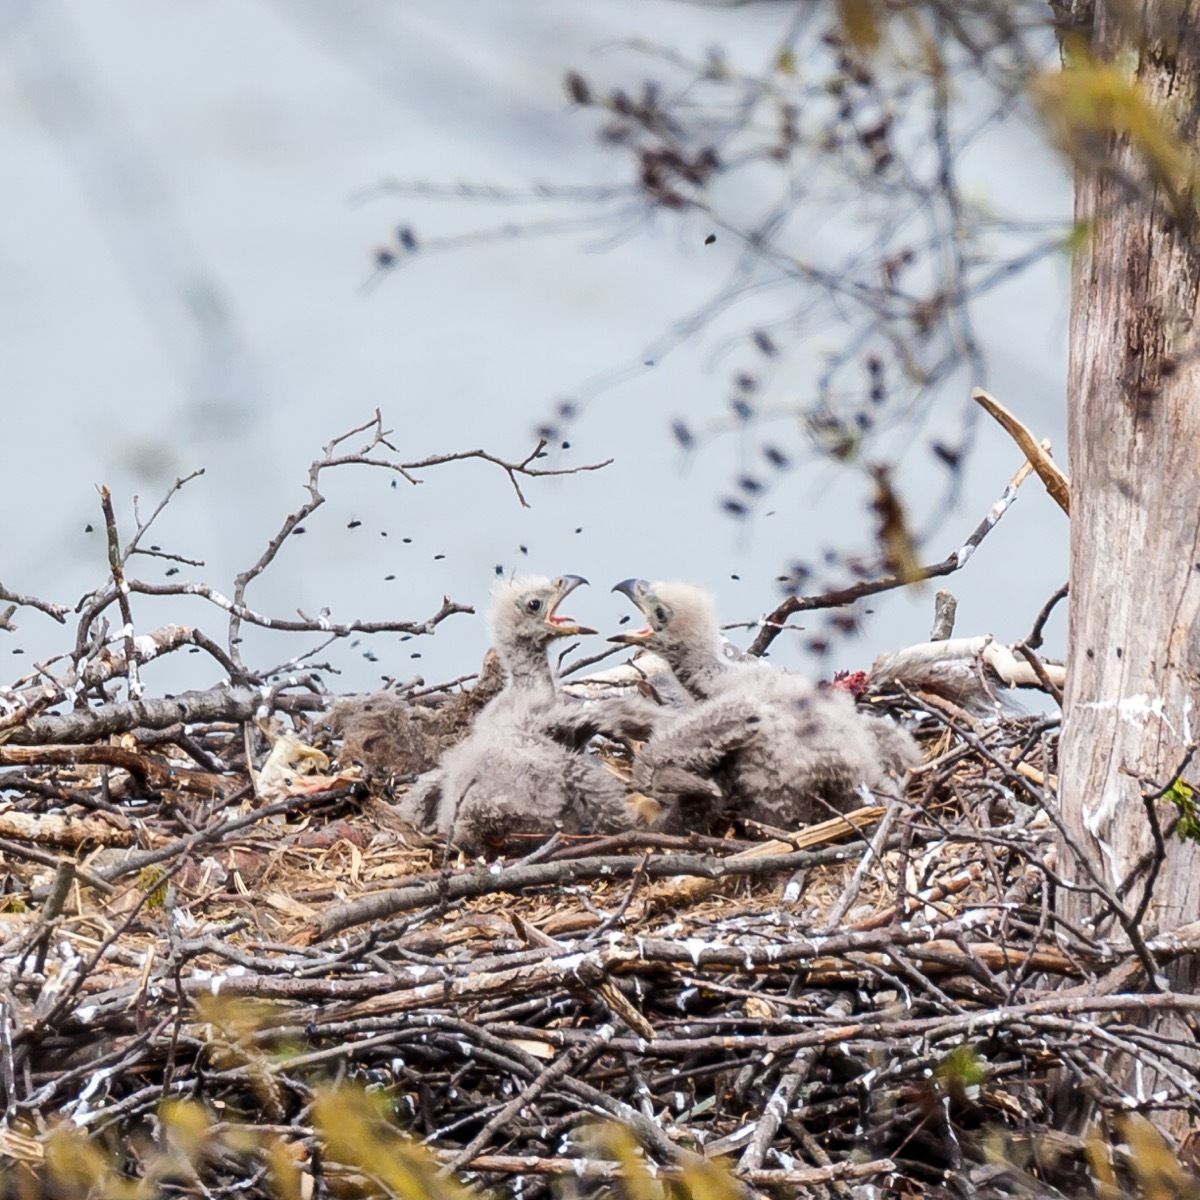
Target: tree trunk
[(1134, 441)]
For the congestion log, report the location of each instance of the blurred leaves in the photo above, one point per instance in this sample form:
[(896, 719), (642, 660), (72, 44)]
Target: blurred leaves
[(363, 1154), (1156, 1168), (356, 1130), (619, 1144), (78, 1169), (862, 23), (897, 546), (1089, 102)]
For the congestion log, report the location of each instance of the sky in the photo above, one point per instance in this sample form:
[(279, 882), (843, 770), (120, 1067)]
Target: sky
[(187, 281)]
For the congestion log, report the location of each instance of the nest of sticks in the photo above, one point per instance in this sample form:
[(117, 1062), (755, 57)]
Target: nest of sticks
[(882, 999), (225, 967)]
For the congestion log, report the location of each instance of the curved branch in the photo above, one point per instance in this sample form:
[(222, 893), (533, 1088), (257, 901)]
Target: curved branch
[(332, 458), (57, 611), (774, 623)]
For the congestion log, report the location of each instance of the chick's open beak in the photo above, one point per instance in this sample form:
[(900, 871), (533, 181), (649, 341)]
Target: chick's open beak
[(563, 626), (636, 590)]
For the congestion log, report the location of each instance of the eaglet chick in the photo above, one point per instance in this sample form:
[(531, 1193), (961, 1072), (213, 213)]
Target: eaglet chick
[(760, 742), (523, 769)]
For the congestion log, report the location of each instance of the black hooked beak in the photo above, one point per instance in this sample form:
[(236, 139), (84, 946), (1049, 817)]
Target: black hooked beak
[(566, 626), (636, 590)]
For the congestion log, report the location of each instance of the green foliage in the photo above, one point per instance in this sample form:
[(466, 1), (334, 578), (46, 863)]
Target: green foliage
[(152, 881), (1183, 797), (961, 1073)]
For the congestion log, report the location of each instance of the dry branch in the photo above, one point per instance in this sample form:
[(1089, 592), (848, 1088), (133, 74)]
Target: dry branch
[(774, 623), (967, 667), (147, 770), (516, 879), (512, 1164), (1036, 452), (222, 703), (61, 831), (58, 611)]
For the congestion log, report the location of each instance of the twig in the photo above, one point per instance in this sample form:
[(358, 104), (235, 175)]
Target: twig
[(1039, 669), (879, 839), (1150, 800), (569, 1061), (514, 1164), (143, 527), (33, 854), (64, 876), (776, 1108), (1034, 640), (58, 611), (239, 613), (116, 566), (615, 916), (773, 624), (1048, 470), (406, 470)]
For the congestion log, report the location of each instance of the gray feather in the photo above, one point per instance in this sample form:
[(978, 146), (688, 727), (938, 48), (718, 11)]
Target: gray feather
[(522, 769), (780, 751)]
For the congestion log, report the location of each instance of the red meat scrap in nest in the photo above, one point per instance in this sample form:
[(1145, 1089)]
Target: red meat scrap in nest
[(854, 682)]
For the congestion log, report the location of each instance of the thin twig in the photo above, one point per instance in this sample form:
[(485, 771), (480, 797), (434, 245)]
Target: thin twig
[(1034, 640), (772, 625)]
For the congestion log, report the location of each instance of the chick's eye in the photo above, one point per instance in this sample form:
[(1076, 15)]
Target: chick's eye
[(534, 605), (660, 614)]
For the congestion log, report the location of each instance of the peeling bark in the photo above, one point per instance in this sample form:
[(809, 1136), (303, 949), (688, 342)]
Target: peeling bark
[(1134, 440)]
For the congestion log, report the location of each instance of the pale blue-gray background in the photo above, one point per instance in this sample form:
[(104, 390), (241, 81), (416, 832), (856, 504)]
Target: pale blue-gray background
[(181, 285)]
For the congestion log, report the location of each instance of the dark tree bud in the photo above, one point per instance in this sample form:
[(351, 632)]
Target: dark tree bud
[(577, 88)]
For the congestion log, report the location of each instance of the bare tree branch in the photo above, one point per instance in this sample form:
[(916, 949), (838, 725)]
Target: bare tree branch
[(773, 624)]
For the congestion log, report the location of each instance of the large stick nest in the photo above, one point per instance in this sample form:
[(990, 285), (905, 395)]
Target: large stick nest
[(218, 944), (885, 996)]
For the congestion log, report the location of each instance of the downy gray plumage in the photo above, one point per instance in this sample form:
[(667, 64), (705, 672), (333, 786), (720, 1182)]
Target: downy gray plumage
[(523, 769), (759, 742)]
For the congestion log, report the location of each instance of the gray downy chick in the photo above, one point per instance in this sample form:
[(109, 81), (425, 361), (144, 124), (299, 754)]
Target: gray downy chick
[(523, 769), (760, 742)]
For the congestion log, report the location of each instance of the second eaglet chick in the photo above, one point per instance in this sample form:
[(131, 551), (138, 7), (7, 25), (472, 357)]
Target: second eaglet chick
[(760, 742), (523, 769)]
